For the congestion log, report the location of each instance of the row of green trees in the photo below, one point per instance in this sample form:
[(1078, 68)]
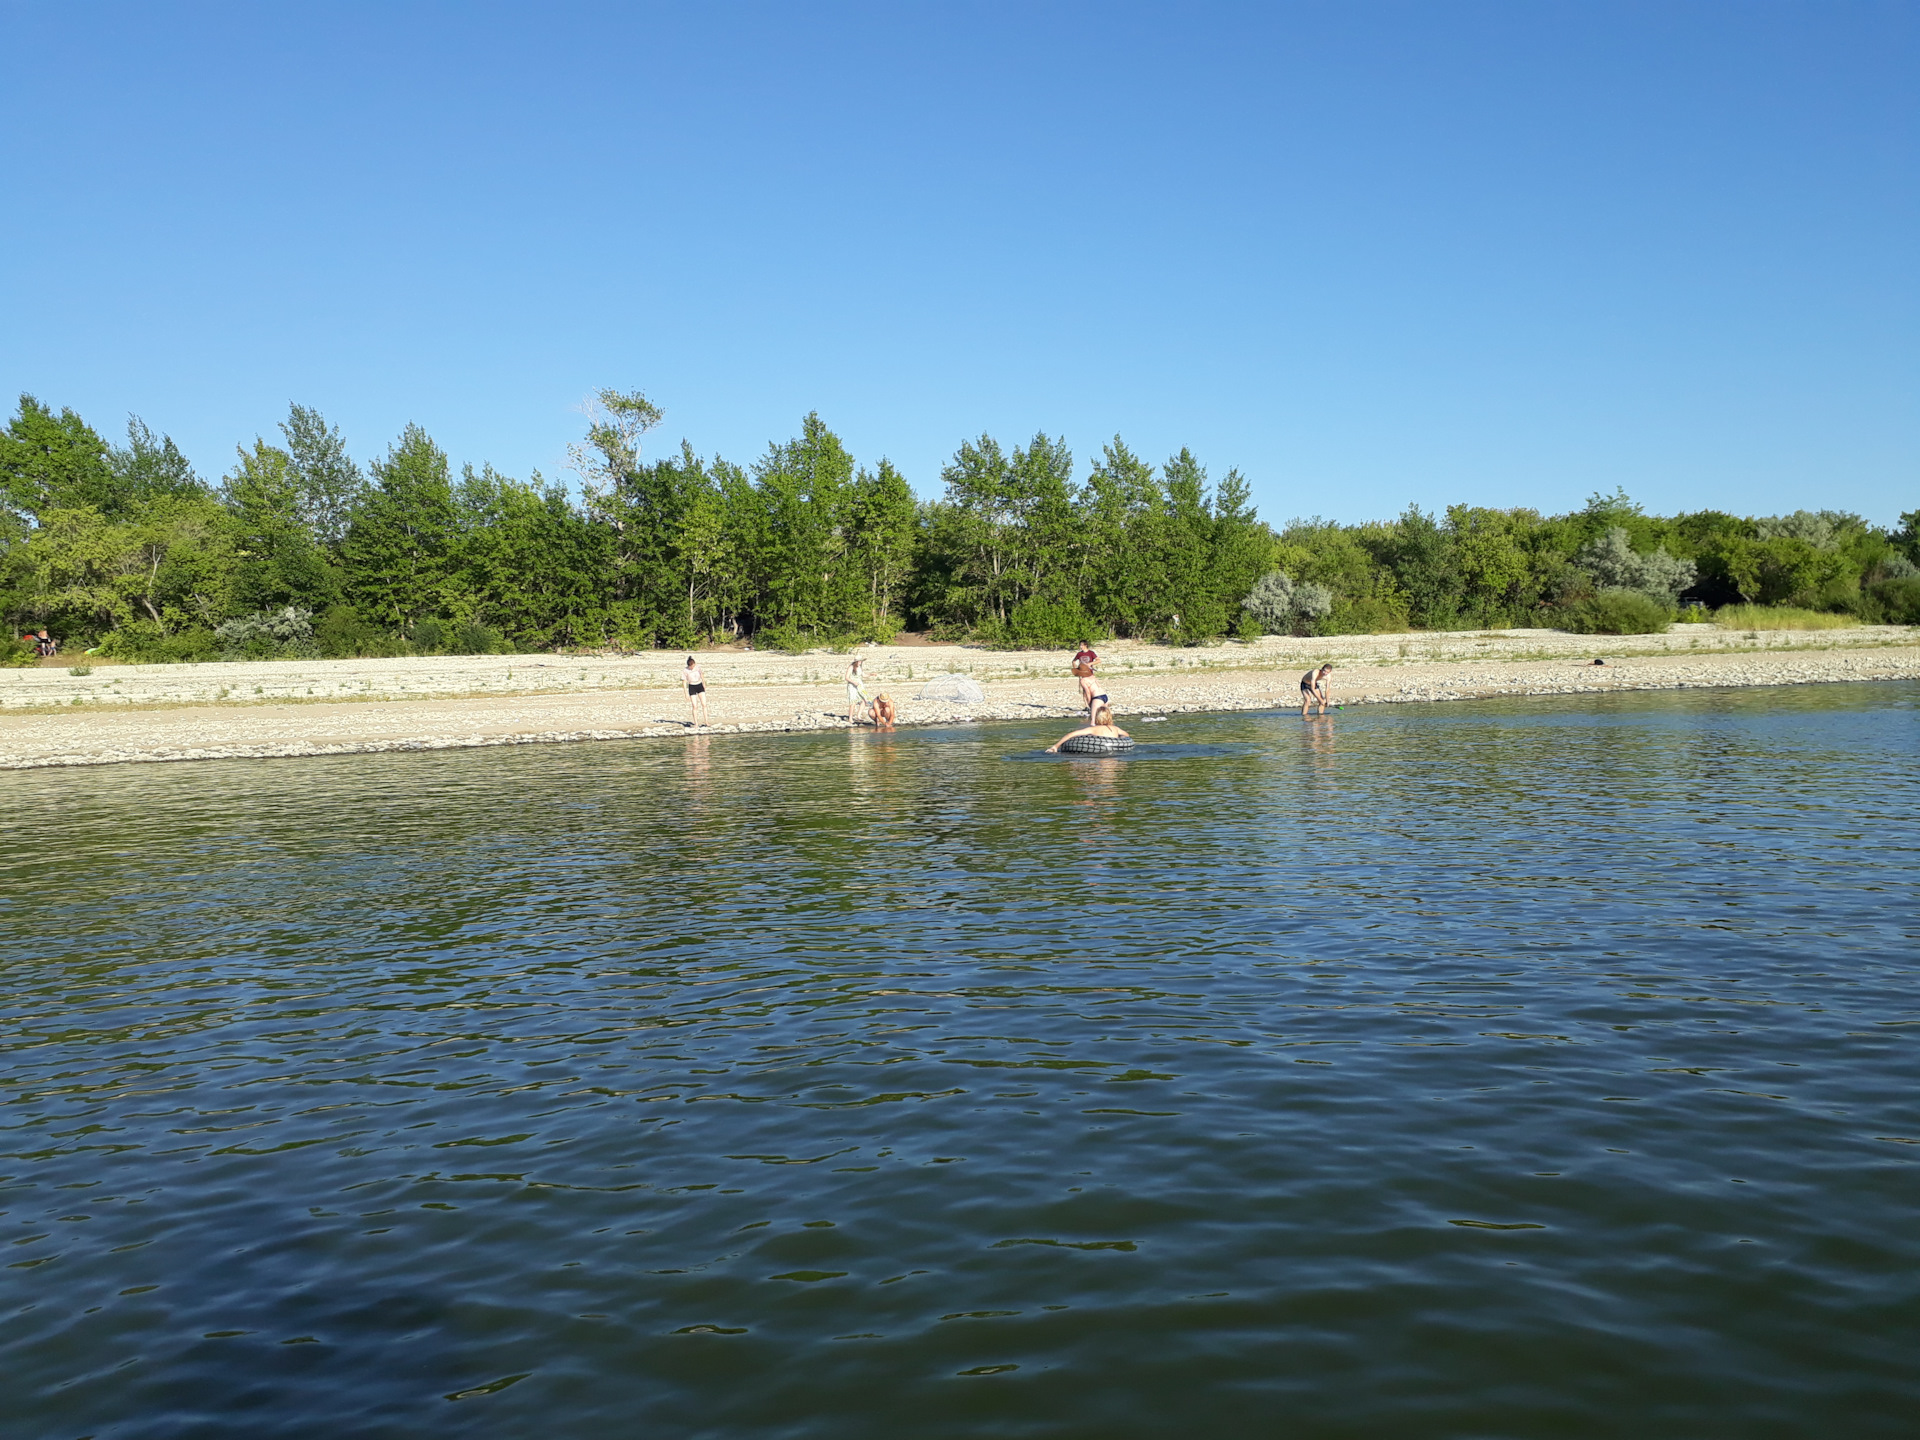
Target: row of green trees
[(299, 549)]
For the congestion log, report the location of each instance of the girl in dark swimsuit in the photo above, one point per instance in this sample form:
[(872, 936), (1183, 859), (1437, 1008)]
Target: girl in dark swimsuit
[(696, 692)]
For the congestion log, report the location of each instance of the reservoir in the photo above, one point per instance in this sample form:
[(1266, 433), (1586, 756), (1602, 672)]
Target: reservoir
[(1482, 1069)]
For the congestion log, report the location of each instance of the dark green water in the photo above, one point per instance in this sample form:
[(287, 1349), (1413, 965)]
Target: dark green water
[(1504, 1069)]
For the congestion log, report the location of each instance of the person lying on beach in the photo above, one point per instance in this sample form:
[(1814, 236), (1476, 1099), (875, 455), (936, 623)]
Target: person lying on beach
[(696, 692), (883, 711), (1102, 725), (1314, 686)]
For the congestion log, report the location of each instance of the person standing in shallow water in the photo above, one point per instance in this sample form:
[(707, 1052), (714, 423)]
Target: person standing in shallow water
[(1314, 686), (1083, 662), (696, 692)]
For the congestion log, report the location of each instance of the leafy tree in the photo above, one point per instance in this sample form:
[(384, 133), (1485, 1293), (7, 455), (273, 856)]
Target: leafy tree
[(883, 516), (276, 561), (399, 546), (53, 462), (1420, 555), (1490, 561), (1613, 564), (1242, 546), (812, 586), (327, 484), (148, 468), (979, 527), (1194, 606), (524, 562), (1124, 583), (169, 566), (1907, 537)]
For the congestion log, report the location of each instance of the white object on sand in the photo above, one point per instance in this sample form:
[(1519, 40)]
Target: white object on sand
[(957, 689)]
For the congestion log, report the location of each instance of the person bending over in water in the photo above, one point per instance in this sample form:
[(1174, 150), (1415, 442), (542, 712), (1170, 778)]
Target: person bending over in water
[(1102, 725), (1314, 687), (696, 692), (883, 711)]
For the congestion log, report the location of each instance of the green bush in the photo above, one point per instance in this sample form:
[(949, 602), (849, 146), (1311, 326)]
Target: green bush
[(1047, 622), (286, 633), (1778, 617), (428, 637), (146, 643), (1615, 612), (785, 639), (470, 637), (1896, 602), (15, 652), (1367, 615), (344, 634), (1202, 622)]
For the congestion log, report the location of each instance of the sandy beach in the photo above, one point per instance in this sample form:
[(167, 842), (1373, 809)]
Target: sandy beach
[(130, 713)]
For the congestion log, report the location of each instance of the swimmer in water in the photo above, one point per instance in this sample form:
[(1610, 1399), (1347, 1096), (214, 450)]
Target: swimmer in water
[(1102, 726)]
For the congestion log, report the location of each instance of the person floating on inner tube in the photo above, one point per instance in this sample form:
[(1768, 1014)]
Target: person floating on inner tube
[(1102, 728)]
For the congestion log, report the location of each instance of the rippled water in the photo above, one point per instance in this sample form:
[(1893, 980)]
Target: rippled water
[(1511, 1068)]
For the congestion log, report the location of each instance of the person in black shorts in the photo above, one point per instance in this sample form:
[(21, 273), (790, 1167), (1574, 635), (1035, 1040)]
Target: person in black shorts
[(1314, 688), (696, 692)]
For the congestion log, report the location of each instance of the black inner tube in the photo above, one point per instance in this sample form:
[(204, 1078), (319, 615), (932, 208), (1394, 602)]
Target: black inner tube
[(1097, 744)]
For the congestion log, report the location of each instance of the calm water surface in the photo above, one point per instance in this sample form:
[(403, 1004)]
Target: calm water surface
[(1495, 1069)]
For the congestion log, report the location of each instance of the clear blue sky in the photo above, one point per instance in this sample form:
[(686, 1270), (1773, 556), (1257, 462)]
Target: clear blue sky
[(1504, 253)]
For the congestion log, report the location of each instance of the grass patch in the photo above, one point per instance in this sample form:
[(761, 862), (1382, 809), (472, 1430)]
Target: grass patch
[(1779, 617)]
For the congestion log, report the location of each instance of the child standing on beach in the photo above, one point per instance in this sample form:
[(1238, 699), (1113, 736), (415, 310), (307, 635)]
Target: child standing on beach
[(857, 707), (696, 692)]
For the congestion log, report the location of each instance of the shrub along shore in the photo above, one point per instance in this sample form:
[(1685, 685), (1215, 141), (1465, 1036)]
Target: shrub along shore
[(299, 552)]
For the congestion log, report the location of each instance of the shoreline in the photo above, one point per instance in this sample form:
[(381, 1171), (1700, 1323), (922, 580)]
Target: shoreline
[(125, 714)]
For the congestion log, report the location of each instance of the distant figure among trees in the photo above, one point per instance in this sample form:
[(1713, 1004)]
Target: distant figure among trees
[(696, 692), (1314, 687)]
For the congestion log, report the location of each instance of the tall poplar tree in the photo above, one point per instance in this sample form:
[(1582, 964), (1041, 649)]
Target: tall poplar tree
[(53, 462), (399, 545), (276, 562), (326, 481)]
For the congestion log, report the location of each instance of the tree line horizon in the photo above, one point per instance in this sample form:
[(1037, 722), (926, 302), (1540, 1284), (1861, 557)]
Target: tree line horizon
[(299, 550)]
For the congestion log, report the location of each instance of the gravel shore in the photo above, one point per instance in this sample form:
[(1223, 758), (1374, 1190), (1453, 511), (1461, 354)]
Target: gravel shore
[(123, 713)]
